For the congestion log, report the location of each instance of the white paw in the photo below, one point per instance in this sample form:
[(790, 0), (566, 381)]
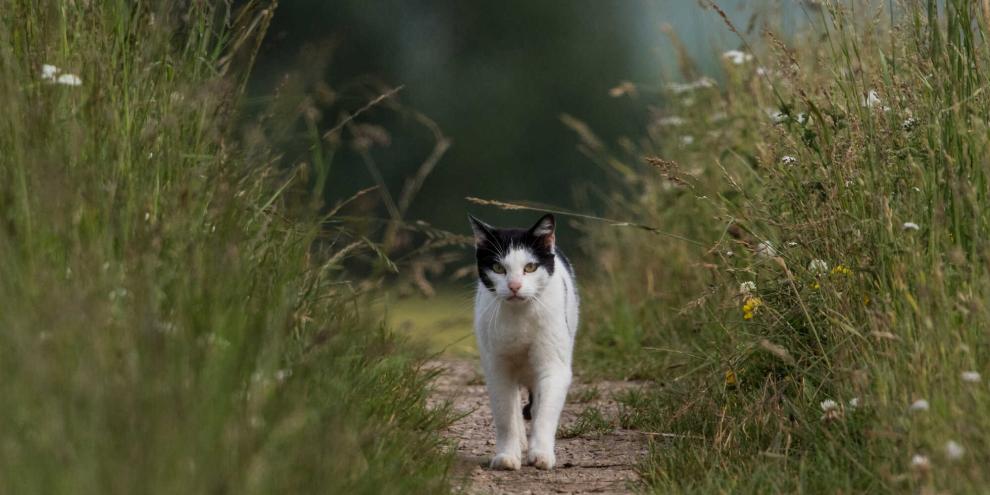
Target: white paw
[(506, 462), (542, 460)]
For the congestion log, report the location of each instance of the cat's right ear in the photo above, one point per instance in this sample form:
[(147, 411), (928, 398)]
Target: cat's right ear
[(482, 231)]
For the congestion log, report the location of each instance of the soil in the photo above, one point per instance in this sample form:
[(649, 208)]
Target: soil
[(602, 463)]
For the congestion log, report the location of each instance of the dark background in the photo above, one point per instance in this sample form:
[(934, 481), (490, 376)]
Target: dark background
[(496, 77)]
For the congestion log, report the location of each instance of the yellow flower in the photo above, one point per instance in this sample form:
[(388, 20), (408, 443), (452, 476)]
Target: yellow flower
[(730, 378), (750, 306), (866, 300), (841, 270), (816, 286)]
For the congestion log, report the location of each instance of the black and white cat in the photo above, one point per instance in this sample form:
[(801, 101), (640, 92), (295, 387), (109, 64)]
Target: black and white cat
[(525, 319)]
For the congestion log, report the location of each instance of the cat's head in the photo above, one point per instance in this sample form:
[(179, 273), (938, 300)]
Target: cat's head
[(515, 264)]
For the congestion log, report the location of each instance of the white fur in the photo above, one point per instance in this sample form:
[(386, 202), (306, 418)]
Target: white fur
[(528, 343)]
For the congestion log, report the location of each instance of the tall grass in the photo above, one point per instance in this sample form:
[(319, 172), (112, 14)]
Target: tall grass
[(845, 175), (167, 323)]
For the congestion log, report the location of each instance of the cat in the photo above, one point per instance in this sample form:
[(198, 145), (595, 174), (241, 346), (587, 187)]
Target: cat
[(525, 320)]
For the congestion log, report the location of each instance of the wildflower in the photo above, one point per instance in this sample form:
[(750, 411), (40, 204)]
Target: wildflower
[(970, 376), (802, 118), (866, 300), (854, 403), (909, 124), (776, 115), (48, 72), (872, 99), (730, 378), (831, 410), (687, 140), (921, 462), (750, 306), (909, 226), (788, 160), (841, 270), (762, 71), (672, 121), (747, 287), (953, 450), (765, 249), (818, 266), (919, 405), (737, 57), (69, 80), (791, 244)]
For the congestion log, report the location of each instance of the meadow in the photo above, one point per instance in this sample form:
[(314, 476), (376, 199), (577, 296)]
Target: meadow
[(176, 316), (813, 308), (797, 266)]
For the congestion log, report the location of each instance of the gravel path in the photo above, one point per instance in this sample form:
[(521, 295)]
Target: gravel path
[(589, 463)]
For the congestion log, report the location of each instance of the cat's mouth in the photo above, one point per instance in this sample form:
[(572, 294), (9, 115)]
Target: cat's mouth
[(515, 298)]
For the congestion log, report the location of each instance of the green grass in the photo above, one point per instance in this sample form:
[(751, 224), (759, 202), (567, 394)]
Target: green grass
[(898, 315), (172, 320)]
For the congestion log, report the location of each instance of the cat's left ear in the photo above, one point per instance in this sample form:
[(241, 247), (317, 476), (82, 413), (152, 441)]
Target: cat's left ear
[(544, 230)]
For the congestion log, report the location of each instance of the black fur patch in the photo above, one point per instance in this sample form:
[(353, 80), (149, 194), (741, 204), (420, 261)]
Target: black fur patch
[(491, 243)]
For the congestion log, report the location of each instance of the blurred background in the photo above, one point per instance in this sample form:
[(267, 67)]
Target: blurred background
[(501, 85), (496, 77)]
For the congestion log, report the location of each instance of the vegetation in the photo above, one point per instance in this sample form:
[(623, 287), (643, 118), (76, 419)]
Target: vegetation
[(819, 324), (174, 319)]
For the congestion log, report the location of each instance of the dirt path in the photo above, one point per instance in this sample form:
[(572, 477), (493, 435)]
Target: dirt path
[(588, 463)]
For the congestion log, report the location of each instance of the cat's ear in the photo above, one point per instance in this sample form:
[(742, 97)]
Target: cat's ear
[(482, 231), (544, 230)]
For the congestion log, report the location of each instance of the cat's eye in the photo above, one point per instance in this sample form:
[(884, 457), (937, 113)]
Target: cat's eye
[(498, 268), (530, 267)]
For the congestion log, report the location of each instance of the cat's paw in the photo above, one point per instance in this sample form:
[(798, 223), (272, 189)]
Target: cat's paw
[(542, 460), (506, 462)]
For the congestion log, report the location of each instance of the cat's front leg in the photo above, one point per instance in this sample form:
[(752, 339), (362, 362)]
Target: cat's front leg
[(503, 391), (551, 392)]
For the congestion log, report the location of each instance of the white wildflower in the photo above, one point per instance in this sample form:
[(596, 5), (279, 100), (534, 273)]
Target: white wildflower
[(872, 99), (69, 80), (672, 121), (48, 72), (802, 118), (765, 249), (831, 410), (687, 140), (919, 405), (818, 266), (920, 462), (747, 287), (788, 160), (762, 71), (910, 226), (776, 115), (854, 403), (737, 57), (970, 376), (953, 450), (791, 244)]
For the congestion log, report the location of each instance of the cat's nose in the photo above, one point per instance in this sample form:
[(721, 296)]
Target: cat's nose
[(515, 285)]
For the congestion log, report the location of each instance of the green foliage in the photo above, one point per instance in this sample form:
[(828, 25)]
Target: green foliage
[(858, 152), (590, 422), (170, 324)]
